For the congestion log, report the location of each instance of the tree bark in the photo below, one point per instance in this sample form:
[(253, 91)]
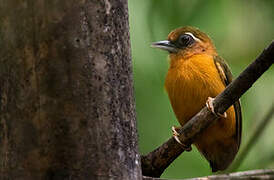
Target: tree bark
[(66, 93)]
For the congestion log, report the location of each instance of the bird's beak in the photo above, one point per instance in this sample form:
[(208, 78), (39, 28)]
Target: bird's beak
[(165, 45)]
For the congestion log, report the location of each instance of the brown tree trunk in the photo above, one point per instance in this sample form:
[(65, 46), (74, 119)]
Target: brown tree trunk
[(66, 94)]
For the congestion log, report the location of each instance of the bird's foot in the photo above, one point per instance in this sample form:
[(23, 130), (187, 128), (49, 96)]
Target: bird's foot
[(209, 105), (175, 135)]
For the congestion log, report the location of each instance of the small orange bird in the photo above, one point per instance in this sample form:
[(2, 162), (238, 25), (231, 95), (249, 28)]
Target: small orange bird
[(196, 73)]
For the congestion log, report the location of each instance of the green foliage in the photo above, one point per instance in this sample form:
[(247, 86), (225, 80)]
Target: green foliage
[(240, 30)]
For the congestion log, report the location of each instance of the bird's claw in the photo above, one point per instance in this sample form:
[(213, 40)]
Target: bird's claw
[(175, 135), (209, 105)]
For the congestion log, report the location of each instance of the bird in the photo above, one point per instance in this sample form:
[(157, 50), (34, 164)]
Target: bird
[(195, 76)]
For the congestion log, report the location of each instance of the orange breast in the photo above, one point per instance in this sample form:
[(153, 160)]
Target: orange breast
[(189, 82)]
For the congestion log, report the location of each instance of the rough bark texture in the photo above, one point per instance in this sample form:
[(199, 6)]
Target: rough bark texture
[(66, 94), (155, 162)]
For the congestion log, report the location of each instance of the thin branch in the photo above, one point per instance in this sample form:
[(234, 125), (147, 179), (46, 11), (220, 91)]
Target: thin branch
[(253, 139), (253, 174), (155, 162)]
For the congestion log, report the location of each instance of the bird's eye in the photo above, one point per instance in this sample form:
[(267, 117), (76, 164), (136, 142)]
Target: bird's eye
[(185, 40)]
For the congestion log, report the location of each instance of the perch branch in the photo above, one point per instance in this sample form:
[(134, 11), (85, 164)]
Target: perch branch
[(155, 162)]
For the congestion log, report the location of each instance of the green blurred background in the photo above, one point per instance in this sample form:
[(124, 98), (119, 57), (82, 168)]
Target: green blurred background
[(241, 30)]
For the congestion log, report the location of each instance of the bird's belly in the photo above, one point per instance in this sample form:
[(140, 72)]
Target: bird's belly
[(188, 95), (188, 90)]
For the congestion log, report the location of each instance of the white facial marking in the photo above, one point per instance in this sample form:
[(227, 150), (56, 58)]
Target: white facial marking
[(196, 39)]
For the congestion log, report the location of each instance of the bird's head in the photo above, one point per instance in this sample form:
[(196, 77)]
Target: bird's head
[(186, 41)]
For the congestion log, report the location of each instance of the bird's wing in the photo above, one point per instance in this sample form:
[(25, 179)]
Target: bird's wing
[(226, 77)]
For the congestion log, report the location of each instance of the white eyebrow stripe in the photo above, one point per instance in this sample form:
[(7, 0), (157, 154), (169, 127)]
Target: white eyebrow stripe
[(196, 39)]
